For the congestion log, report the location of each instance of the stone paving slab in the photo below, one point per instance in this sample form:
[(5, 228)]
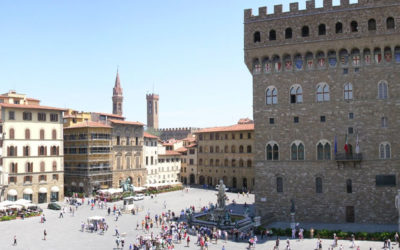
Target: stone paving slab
[(65, 233)]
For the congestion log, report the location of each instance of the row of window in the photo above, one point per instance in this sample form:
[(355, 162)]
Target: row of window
[(217, 136), (380, 181), (27, 116), (29, 179), (320, 61), (29, 167), (305, 30), (322, 93), (173, 168), (169, 160), (127, 141), (323, 150), (218, 163), (26, 151), (11, 134), (350, 130), (226, 149)]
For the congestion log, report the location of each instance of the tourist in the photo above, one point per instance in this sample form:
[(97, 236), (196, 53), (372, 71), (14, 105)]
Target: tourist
[(312, 233), (396, 238), (353, 244), (277, 243), (44, 234), (293, 233), (187, 241), (116, 231), (15, 240)]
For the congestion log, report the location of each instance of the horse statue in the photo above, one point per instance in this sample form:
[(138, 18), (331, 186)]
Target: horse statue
[(127, 185)]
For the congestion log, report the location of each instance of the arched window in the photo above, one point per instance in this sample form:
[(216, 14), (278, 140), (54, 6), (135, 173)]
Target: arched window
[(332, 59), (217, 162), (27, 134), (296, 94), (288, 33), (249, 163), (390, 23), (13, 168), (233, 149), (53, 150), (233, 162), (226, 162), (201, 162), (26, 150), (382, 90), (349, 186), (339, 27), (226, 149), (298, 62), (323, 92), (384, 150), (318, 185), (11, 133), (54, 166), (272, 151), (354, 26), (272, 35), (305, 31), (241, 163), (241, 149), (248, 149), (297, 151), (271, 96), (256, 66), (29, 167), (257, 37), (371, 24), (211, 149), (279, 185), (321, 29), (288, 62), (201, 149), (348, 91), (42, 134), (211, 162), (323, 150), (54, 134), (217, 149)]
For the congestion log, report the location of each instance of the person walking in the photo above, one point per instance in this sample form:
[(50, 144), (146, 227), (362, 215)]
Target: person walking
[(44, 234), (15, 240), (187, 241)]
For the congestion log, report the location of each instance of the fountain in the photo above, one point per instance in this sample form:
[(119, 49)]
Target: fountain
[(219, 216)]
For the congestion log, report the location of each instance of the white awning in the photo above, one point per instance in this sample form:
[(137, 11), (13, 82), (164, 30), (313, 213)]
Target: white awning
[(12, 192), (73, 183), (42, 190), (55, 189), (28, 191)]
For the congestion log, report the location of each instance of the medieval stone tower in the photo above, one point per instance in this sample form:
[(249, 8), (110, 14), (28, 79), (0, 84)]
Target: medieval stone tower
[(117, 97), (326, 98), (152, 110)]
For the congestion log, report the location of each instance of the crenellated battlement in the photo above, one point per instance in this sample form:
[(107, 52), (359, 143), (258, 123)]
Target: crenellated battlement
[(152, 96), (187, 129), (311, 9)]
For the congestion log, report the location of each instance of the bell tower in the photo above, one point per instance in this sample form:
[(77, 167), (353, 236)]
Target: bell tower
[(117, 97), (152, 110)]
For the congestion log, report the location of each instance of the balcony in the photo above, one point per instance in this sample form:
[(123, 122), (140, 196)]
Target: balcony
[(344, 159)]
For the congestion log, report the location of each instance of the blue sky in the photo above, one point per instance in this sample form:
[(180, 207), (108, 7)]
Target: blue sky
[(66, 53)]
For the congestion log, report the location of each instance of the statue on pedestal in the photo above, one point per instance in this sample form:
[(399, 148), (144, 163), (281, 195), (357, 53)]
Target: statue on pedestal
[(221, 195)]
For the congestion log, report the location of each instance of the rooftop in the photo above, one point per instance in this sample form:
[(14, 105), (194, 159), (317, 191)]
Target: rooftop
[(171, 153), (243, 125), (147, 135), (29, 106), (88, 124), (127, 122)]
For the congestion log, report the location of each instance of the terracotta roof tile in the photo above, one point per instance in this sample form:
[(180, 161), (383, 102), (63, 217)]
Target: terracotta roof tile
[(111, 115), (127, 122), (171, 152), (29, 106), (89, 125), (181, 149), (236, 127), (191, 146), (147, 135)]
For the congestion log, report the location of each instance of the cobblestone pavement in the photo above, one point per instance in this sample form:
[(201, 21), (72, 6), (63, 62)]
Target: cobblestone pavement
[(64, 233)]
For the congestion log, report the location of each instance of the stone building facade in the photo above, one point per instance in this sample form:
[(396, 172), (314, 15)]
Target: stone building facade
[(32, 155), (226, 153), (189, 160), (324, 78), (127, 152), (87, 156), (150, 158)]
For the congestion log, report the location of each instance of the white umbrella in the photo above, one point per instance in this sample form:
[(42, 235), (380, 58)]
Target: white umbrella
[(6, 203)]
